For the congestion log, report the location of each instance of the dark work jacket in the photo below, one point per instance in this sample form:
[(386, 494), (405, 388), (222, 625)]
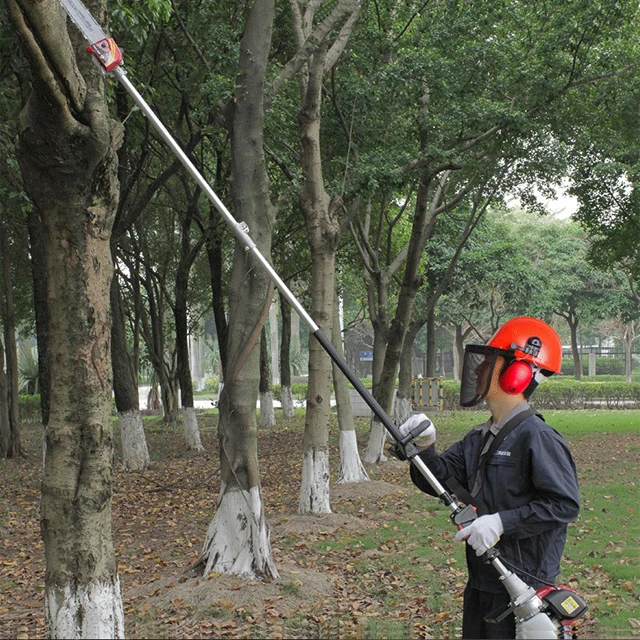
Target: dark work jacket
[(531, 482)]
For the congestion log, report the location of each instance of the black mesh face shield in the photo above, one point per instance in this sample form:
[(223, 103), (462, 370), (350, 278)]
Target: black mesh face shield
[(477, 372)]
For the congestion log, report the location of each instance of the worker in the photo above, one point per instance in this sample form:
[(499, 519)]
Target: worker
[(515, 469)]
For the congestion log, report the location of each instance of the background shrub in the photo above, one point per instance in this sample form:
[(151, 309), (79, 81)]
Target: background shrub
[(563, 393)]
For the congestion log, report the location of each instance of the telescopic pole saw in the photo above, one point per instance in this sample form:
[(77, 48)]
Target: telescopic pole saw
[(536, 616)]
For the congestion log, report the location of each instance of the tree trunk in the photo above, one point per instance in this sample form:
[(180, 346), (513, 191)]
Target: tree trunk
[(274, 342), (135, 454), (285, 361), (238, 537), (629, 337), (5, 425), (403, 405), (458, 353), (431, 344), (314, 489), (67, 155), (214, 254), (322, 232), (572, 321), (8, 316), (351, 467), (267, 413), (377, 433)]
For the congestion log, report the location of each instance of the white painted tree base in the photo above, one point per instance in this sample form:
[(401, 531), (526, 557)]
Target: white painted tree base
[(267, 412), (84, 611), (238, 537), (191, 430), (351, 468), (402, 410), (375, 446), (314, 489), (288, 410), (135, 454)]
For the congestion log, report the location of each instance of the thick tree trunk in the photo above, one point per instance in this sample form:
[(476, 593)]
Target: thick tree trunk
[(285, 361), (135, 454), (267, 412), (67, 155), (238, 537), (351, 467)]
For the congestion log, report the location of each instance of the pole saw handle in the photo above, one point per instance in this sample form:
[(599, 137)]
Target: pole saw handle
[(401, 448), (465, 516)]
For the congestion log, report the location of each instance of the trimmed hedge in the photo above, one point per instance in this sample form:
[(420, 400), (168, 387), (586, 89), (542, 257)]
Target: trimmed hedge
[(604, 366), (569, 394)]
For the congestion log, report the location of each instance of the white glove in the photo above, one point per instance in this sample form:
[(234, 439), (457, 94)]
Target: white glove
[(482, 533), (424, 439)]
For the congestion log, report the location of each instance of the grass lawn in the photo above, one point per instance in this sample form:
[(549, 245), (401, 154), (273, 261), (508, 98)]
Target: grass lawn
[(383, 565)]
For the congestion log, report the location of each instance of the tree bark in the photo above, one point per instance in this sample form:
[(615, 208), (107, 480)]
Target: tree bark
[(238, 537), (67, 155)]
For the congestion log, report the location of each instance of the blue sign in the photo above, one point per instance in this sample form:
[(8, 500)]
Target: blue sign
[(366, 356)]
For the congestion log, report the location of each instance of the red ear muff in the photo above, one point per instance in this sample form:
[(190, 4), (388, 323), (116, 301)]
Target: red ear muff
[(516, 377)]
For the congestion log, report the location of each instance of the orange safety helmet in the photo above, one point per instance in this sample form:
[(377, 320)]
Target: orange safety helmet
[(531, 349), (531, 340)]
